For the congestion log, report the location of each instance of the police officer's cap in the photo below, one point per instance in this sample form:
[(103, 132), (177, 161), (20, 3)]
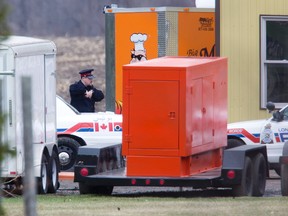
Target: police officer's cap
[(87, 73)]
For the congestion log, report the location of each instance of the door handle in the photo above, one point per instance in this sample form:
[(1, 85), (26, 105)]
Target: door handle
[(172, 115)]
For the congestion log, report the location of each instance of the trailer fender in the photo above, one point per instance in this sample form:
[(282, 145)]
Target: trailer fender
[(94, 159), (234, 160)]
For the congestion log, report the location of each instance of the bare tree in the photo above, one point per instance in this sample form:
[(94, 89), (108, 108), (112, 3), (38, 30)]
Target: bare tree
[(71, 17)]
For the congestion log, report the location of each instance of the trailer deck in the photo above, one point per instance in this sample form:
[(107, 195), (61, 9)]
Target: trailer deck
[(118, 177)]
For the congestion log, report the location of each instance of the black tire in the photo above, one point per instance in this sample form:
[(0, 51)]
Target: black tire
[(84, 188), (42, 181), (260, 174), (284, 179), (68, 147), (104, 190), (284, 172), (53, 173), (232, 143), (100, 190), (246, 186)]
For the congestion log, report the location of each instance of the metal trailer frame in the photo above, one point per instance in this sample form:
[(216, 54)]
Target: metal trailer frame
[(90, 163)]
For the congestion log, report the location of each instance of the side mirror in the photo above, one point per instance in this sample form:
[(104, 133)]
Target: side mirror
[(270, 106)]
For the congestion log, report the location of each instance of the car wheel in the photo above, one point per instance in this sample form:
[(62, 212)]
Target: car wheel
[(68, 149)]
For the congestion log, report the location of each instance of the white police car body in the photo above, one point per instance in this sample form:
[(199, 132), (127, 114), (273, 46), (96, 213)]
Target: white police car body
[(76, 129), (272, 132)]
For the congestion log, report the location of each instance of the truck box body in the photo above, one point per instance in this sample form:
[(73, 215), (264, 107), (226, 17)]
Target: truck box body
[(143, 33), (177, 126), (35, 58)]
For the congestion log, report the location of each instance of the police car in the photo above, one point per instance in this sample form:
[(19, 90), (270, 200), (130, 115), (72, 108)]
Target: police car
[(272, 132), (76, 129)]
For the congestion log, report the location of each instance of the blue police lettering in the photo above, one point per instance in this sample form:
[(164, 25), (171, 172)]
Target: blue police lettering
[(284, 137), (283, 130)]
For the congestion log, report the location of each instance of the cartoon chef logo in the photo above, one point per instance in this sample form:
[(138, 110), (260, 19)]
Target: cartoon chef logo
[(139, 52), (266, 136)]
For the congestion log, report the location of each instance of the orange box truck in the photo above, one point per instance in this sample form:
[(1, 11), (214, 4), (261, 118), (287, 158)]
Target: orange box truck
[(140, 34)]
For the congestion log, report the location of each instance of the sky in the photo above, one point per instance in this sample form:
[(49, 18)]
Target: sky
[(205, 3)]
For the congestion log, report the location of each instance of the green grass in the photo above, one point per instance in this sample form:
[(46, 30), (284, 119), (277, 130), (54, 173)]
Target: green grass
[(81, 205)]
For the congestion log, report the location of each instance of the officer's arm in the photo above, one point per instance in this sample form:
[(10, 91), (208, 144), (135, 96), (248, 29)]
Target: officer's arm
[(97, 95), (77, 90)]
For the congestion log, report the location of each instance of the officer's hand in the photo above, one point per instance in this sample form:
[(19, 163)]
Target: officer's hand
[(89, 94)]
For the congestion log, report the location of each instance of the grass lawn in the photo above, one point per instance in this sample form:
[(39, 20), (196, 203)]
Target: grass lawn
[(82, 205)]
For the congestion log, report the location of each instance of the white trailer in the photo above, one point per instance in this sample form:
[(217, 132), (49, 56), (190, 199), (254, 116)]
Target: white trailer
[(36, 58)]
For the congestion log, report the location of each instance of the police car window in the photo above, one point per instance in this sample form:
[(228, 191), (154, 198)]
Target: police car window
[(70, 106), (285, 113)]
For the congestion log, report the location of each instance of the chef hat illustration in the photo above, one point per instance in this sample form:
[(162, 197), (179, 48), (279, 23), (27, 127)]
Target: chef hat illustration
[(138, 40)]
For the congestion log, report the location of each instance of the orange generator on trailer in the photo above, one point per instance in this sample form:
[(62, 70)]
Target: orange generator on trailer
[(174, 133), (174, 115)]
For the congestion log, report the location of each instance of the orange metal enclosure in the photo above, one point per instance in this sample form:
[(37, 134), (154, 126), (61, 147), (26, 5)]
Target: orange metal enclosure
[(174, 115)]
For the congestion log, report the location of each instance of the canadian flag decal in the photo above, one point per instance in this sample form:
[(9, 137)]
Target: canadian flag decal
[(108, 127), (101, 126)]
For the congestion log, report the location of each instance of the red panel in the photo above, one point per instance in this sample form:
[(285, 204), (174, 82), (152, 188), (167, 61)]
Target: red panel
[(153, 124), (157, 166), (173, 166)]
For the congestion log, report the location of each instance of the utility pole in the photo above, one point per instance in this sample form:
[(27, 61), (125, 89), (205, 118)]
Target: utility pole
[(1, 114), (29, 178)]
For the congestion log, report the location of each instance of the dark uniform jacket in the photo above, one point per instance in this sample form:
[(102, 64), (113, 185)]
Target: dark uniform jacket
[(78, 99)]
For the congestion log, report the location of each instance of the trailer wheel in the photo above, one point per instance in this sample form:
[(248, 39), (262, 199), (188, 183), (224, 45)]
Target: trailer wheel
[(284, 172), (104, 190), (68, 149), (53, 173), (100, 190), (284, 179), (42, 181), (245, 188), (232, 143), (259, 172), (84, 188)]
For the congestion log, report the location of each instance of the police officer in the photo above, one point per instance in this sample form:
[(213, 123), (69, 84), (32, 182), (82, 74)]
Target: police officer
[(83, 94)]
